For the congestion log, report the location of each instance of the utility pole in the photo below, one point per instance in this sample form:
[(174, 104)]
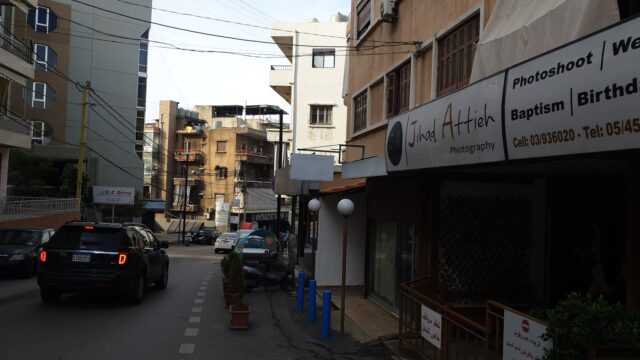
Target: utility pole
[(83, 125), (279, 166), (184, 202)]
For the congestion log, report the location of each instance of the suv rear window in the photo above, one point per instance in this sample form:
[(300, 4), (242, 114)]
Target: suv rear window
[(79, 237)]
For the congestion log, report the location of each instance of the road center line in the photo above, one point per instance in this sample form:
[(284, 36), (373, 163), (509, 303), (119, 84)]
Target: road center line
[(200, 293), (191, 332), (196, 309), (194, 319), (187, 348), (199, 301)]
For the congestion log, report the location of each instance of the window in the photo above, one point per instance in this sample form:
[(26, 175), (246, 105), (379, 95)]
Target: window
[(148, 166), (324, 58), (142, 91), (37, 132), (186, 146), (221, 146), (144, 50), (628, 8), (42, 19), (221, 172), (455, 56), (398, 89), (139, 124), (41, 95), (360, 112), (363, 18), (321, 114), (44, 56)]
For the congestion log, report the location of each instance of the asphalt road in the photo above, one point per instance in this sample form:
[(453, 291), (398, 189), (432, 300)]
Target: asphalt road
[(186, 321)]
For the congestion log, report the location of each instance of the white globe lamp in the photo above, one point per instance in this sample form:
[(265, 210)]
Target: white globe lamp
[(345, 207), (314, 205)]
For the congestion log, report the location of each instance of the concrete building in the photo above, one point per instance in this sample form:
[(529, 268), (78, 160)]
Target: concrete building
[(75, 49)]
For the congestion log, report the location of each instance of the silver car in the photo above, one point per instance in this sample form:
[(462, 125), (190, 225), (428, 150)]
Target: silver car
[(225, 242)]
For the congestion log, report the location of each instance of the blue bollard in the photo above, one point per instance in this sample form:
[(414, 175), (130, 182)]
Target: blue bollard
[(300, 304), (326, 314), (312, 301)]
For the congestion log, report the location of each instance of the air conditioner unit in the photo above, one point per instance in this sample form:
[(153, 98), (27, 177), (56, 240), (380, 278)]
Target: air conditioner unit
[(388, 10), (207, 216)]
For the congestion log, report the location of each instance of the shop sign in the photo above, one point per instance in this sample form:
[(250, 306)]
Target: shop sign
[(235, 203), (234, 219), (462, 128), (113, 195), (581, 98), (268, 216), (431, 326), (222, 214), (522, 338)]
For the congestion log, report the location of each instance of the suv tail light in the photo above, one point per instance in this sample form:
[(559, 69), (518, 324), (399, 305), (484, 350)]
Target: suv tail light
[(122, 258), (43, 256)]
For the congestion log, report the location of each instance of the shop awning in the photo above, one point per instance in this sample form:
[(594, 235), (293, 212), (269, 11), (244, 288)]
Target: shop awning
[(339, 185), (521, 29)]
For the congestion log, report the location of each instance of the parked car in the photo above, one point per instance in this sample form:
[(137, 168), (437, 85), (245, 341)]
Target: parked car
[(254, 249), (102, 258), (205, 236), (225, 242), (19, 250)]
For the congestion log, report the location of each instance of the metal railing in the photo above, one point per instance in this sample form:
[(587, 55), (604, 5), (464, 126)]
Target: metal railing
[(254, 153), (282, 67), (15, 47), (14, 124), (20, 208)]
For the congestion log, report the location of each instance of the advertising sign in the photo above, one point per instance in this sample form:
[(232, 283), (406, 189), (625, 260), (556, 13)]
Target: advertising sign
[(234, 219), (522, 338), (431, 326), (581, 98), (113, 195), (462, 128), (222, 214)]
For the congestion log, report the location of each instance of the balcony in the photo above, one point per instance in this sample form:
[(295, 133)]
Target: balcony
[(254, 157), (281, 80), (190, 131), (189, 155), (189, 208), (14, 132), (15, 59), (192, 181)]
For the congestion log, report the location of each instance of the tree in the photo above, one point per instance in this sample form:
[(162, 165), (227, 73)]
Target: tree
[(29, 173), (69, 180)]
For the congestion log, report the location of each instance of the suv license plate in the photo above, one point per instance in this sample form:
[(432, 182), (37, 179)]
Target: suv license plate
[(81, 258)]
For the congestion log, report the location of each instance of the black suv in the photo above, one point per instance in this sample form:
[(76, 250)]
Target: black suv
[(110, 258)]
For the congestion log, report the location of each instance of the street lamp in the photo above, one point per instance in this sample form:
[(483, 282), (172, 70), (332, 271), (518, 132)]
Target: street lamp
[(314, 206), (345, 208)]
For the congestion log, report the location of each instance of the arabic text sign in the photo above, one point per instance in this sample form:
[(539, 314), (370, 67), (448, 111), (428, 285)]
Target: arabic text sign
[(462, 128), (522, 338), (113, 195), (431, 326), (581, 98)]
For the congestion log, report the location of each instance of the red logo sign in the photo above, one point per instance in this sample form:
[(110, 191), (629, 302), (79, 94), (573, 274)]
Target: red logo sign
[(525, 325)]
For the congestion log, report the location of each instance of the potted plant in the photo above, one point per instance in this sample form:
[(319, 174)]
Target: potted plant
[(234, 281), (240, 312)]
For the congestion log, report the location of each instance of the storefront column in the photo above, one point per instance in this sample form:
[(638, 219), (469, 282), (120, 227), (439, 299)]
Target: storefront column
[(633, 237)]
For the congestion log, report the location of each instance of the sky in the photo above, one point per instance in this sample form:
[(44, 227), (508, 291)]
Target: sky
[(194, 78)]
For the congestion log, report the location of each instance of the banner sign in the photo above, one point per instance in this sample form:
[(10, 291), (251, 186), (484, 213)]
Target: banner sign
[(222, 214), (113, 195), (431, 326), (522, 338), (462, 128), (580, 98), (268, 216)]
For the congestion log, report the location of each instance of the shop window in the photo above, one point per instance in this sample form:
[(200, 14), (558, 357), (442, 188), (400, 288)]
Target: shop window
[(628, 8), (37, 132), (321, 115), (42, 19), (363, 18), (455, 56), (398, 89), (44, 56), (360, 112), (324, 58), (221, 146)]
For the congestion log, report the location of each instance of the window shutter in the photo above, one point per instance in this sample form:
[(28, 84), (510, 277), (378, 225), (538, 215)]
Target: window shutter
[(391, 94)]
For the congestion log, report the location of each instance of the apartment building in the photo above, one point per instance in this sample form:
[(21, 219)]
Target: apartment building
[(16, 73), (72, 46), (464, 199), (218, 158)]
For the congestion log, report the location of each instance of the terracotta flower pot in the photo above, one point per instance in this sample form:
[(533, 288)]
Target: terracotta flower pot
[(239, 318)]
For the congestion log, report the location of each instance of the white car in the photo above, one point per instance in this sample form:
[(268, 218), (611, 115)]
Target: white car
[(225, 242)]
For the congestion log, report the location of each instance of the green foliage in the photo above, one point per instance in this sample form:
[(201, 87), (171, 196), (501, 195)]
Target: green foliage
[(241, 305), (68, 188), (582, 321), (235, 275), (28, 174), (225, 263)]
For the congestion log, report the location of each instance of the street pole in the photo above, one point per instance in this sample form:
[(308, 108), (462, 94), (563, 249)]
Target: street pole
[(343, 287), (83, 125), (279, 167), (184, 202)]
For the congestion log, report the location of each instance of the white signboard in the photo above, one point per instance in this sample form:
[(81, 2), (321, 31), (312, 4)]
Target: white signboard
[(234, 219), (522, 338), (113, 195), (462, 128), (222, 214), (431, 327), (581, 98), (311, 167)]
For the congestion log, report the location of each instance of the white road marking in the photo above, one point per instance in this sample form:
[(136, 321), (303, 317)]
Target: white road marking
[(196, 309), (199, 301), (203, 288), (187, 348), (194, 319), (191, 332), (200, 293)]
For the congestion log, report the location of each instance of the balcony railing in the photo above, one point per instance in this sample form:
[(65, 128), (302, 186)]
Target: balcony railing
[(282, 67), (192, 155), (16, 48), (19, 208), (14, 124), (254, 153)]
